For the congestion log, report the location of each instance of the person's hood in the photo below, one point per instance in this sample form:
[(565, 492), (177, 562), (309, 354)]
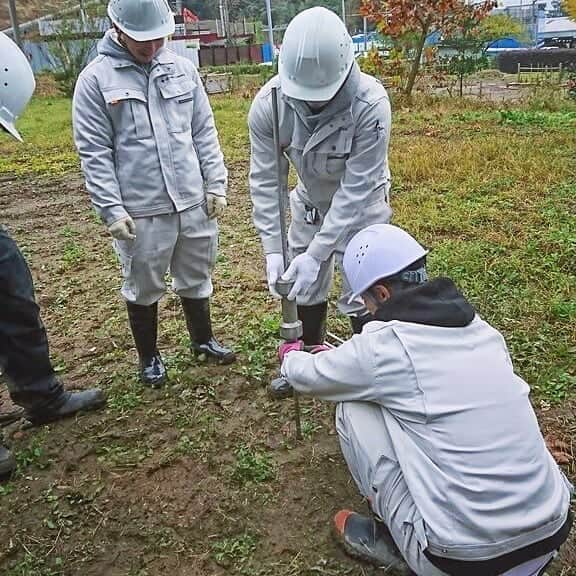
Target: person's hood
[(435, 303), (109, 46)]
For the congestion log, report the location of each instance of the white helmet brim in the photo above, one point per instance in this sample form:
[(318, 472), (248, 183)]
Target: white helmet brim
[(11, 129), (297, 91), (162, 32)]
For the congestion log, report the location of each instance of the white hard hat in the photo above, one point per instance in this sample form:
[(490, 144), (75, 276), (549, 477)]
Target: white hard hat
[(142, 20), (316, 56), (16, 84), (379, 251)]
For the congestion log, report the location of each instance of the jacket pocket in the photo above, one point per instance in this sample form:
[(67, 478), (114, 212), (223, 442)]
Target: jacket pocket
[(128, 109), (329, 159), (178, 102)]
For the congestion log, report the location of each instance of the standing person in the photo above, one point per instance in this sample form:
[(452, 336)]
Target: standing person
[(24, 355), (155, 173), (334, 130), (436, 428)]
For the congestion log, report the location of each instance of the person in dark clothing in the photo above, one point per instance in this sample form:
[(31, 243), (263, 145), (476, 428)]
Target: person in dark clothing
[(24, 354)]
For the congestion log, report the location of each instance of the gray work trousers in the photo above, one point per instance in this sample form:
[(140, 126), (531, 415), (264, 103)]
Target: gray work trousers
[(301, 233), (184, 244), (367, 447)]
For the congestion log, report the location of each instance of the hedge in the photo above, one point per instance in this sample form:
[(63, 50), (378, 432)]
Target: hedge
[(508, 61)]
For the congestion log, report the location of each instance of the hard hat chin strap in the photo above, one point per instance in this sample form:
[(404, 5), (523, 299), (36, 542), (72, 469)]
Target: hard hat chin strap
[(415, 276)]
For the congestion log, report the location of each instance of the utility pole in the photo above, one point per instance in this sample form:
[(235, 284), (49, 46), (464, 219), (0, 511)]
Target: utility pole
[(14, 22), (344, 12), (223, 6), (270, 28)]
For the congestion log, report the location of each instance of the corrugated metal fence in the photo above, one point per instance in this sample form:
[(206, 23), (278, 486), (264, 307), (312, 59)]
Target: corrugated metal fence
[(41, 59)]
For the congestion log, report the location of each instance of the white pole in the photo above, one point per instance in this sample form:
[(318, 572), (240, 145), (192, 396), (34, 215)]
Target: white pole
[(221, 11), (344, 12), (270, 28)]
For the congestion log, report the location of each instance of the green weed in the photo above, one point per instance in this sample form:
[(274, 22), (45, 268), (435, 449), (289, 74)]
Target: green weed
[(235, 551), (252, 466), (125, 397), (537, 118), (121, 456), (32, 455), (73, 253), (257, 345), (35, 566)]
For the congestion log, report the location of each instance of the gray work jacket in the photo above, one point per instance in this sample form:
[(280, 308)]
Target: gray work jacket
[(145, 134), (463, 429), (340, 157)]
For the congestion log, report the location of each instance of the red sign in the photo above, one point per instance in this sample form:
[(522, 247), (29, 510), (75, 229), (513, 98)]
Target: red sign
[(189, 16)]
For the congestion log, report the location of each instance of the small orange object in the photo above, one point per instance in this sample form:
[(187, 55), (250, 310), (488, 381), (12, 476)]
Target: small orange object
[(340, 520)]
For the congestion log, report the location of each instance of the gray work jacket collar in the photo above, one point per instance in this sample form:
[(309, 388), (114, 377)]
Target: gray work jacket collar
[(336, 115)]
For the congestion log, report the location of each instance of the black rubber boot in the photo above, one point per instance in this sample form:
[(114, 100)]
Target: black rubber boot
[(370, 541), (202, 341), (358, 322), (313, 320), (70, 404), (144, 325), (7, 463)]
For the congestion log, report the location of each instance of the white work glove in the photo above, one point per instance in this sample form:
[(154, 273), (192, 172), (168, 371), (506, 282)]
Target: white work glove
[(216, 205), (274, 269), (303, 271), (123, 229)]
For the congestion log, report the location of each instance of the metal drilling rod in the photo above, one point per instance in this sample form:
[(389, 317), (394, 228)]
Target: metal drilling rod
[(336, 338), (291, 327), (282, 196)]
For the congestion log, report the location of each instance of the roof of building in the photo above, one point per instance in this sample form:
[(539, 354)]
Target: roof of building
[(558, 26)]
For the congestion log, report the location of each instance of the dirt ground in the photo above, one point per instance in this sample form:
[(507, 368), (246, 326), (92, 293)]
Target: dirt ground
[(204, 477)]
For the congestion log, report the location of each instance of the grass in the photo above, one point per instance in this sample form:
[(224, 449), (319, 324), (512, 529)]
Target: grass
[(204, 476)]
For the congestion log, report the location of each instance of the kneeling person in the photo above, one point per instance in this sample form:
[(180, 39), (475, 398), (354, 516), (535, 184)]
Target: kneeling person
[(436, 428)]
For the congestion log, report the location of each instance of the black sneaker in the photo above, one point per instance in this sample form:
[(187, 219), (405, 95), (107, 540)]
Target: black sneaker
[(75, 402), (366, 539)]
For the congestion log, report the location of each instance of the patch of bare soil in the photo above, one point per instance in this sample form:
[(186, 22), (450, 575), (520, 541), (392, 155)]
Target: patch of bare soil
[(204, 477)]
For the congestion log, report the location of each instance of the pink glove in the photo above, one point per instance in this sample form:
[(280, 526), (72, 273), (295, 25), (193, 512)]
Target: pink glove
[(317, 348), (286, 347)]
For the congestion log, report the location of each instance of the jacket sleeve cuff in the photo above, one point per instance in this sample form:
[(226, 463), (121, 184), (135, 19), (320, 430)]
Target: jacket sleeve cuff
[(272, 245), (319, 251), (113, 214), (216, 190)]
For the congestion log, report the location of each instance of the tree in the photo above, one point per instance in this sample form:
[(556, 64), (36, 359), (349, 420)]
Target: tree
[(497, 26), (411, 22), (470, 39), (73, 43), (569, 7)]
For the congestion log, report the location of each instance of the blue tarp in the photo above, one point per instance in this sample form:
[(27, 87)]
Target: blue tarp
[(504, 43)]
